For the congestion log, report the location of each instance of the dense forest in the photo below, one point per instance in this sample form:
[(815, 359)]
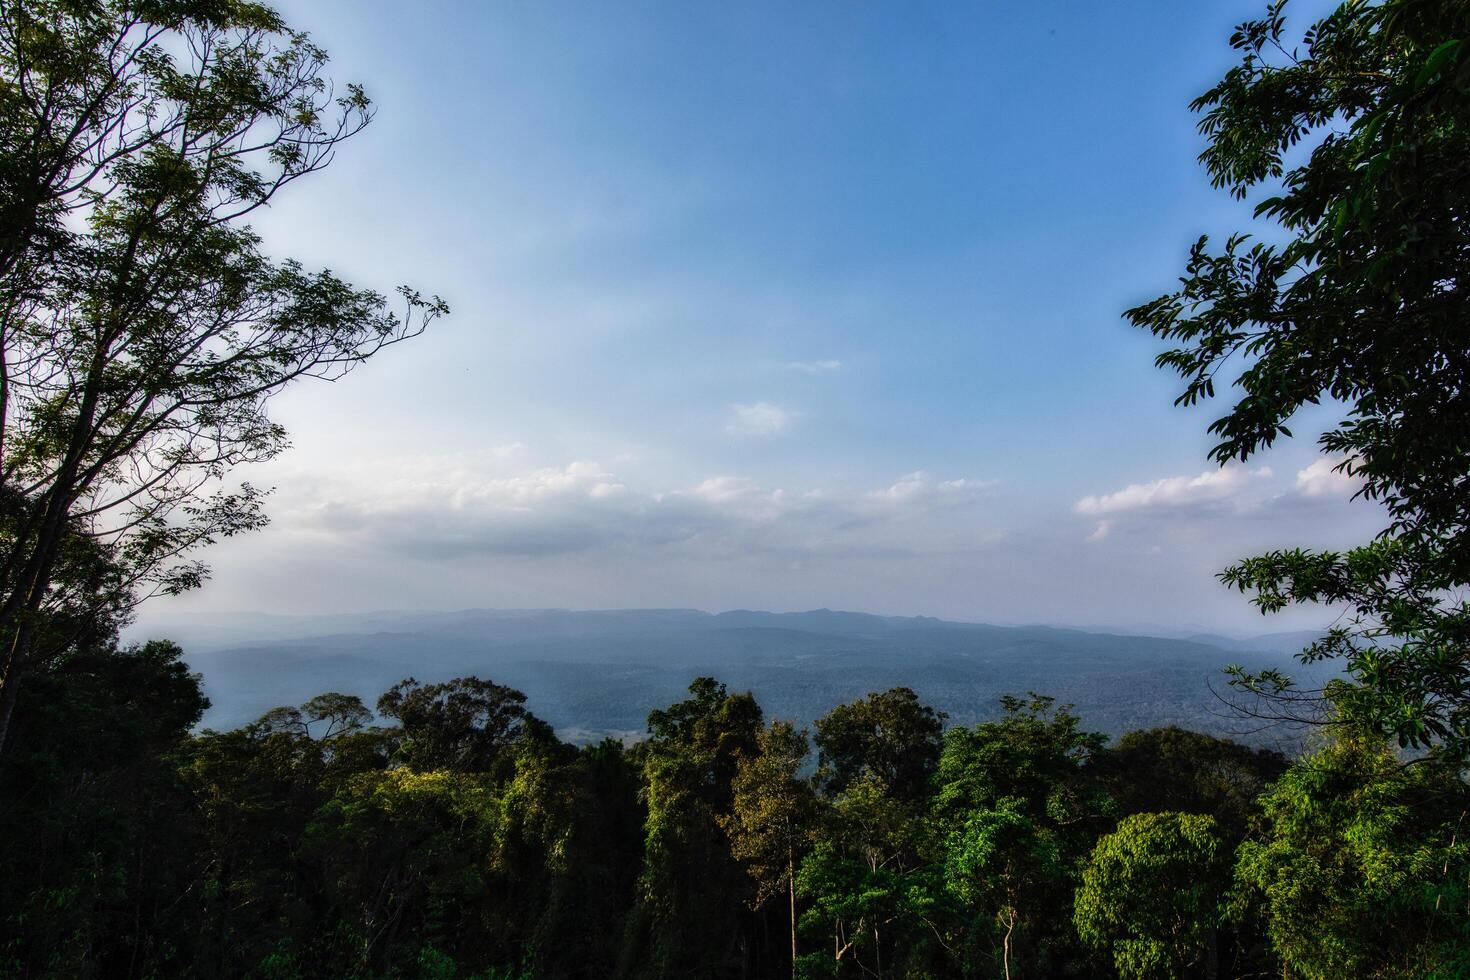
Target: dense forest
[(447, 832), (462, 838)]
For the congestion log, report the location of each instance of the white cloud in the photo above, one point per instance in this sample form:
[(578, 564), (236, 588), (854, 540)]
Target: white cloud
[(921, 487), (1212, 486), (724, 489), (1099, 533), (758, 419), (1324, 479), (814, 367), (483, 504)]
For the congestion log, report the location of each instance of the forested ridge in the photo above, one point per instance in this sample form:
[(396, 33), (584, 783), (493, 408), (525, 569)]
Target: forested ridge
[(445, 831)]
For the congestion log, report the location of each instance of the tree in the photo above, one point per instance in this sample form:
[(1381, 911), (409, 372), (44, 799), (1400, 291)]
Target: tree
[(1171, 769), (407, 859), (99, 830), (692, 895), (892, 736), (257, 791), (1363, 301), (463, 725), (996, 859), (770, 823), (1152, 894), (1362, 866), (1015, 809), (142, 330), (868, 886), (342, 713), (566, 860)]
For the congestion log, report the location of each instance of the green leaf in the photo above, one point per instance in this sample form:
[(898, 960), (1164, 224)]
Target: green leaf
[(1446, 52)]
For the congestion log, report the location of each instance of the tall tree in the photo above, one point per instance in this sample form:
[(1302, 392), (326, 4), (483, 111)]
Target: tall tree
[(1016, 808), (868, 883), (996, 862), (691, 918), (99, 831), (1171, 769), (142, 329), (868, 887)]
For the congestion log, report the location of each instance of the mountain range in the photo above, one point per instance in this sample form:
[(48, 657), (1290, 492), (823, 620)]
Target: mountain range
[(595, 674)]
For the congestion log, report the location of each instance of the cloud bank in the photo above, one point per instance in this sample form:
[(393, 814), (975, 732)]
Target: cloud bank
[(1219, 500), (482, 504), (1176, 492)]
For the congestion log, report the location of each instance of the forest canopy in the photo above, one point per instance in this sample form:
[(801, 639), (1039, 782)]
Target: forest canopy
[(458, 836)]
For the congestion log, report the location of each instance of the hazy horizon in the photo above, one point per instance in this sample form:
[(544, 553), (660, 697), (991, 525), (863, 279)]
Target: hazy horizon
[(156, 620)]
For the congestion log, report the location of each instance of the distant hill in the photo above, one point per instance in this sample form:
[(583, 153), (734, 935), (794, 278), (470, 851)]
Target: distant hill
[(1292, 642), (599, 673)]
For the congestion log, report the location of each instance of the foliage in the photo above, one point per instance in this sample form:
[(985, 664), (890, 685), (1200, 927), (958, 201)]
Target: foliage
[(1362, 866), (891, 737), (1152, 893), (1357, 295), (1017, 805), (142, 329), (689, 919), (1175, 769), (1363, 302)]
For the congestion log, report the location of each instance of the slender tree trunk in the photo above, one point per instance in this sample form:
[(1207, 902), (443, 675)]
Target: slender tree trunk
[(791, 893), (9, 693), (1006, 944)]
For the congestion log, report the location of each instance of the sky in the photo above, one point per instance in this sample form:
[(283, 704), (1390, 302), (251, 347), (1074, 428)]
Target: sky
[(770, 305)]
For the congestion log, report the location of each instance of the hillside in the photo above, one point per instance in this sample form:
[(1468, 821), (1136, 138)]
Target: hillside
[(599, 673)]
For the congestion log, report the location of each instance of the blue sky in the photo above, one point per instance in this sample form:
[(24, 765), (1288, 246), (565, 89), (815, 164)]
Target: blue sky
[(769, 305)]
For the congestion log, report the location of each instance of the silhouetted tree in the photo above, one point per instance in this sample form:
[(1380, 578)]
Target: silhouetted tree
[(464, 725), (142, 330)]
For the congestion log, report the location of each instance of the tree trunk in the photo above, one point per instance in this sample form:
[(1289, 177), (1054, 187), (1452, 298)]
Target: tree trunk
[(1006, 945), (791, 893), (9, 693)]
